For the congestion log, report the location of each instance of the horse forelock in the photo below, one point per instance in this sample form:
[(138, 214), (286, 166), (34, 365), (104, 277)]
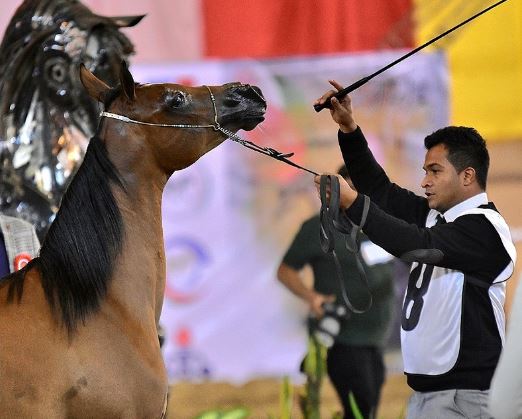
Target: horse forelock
[(77, 256)]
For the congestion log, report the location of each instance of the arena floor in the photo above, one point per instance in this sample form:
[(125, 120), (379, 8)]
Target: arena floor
[(261, 397)]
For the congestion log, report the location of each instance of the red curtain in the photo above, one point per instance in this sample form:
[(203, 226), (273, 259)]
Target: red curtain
[(271, 28)]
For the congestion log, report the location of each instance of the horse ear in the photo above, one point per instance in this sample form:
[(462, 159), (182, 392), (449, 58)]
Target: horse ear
[(127, 82), (94, 86)]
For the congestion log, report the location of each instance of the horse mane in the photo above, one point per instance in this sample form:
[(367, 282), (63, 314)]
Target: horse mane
[(77, 256)]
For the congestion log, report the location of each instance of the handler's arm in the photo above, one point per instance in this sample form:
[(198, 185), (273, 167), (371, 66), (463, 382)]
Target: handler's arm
[(469, 244), (367, 175), (370, 179)]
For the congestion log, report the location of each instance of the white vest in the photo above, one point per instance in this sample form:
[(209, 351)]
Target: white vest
[(433, 346)]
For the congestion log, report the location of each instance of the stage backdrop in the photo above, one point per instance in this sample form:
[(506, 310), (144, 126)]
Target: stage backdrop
[(229, 218), (195, 29), (485, 56)]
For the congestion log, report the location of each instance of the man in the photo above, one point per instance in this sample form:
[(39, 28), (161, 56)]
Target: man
[(453, 312), (18, 244), (355, 361)]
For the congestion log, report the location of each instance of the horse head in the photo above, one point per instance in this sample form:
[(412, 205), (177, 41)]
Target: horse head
[(178, 123)]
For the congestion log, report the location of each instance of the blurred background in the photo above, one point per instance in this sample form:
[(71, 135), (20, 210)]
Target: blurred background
[(232, 331)]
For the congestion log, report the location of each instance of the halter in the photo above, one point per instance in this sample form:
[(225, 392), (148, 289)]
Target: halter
[(268, 151)]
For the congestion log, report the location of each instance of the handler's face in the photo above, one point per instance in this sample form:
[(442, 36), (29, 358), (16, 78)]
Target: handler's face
[(442, 183)]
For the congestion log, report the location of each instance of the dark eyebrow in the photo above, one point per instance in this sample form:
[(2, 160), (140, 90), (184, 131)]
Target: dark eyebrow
[(431, 166)]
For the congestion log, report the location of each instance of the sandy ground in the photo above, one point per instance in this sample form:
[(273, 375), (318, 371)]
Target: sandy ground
[(261, 397)]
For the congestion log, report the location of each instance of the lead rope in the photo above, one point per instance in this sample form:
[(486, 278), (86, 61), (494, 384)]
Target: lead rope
[(267, 151), (331, 221)]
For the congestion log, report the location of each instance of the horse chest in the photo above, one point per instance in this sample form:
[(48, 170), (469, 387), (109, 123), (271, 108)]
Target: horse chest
[(137, 397)]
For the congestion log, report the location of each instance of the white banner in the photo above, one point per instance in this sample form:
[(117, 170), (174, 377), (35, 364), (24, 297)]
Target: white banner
[(229, 218)]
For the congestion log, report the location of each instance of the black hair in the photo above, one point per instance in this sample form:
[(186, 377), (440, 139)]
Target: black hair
[(466, 148), (77, 256)]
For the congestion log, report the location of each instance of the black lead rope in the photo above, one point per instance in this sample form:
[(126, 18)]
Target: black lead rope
[(331, 221), (267, 151)]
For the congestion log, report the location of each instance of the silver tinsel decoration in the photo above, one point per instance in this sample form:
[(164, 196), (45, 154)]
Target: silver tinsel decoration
[(46, 117)]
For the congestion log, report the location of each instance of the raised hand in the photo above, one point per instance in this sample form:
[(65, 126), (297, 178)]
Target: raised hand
[(341, 110)]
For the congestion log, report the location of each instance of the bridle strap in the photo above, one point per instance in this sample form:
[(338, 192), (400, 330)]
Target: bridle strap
[(331, 221), (152, 124), (267, 151)]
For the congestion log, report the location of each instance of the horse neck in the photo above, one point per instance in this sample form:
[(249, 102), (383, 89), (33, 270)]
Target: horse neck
[(139, 274)]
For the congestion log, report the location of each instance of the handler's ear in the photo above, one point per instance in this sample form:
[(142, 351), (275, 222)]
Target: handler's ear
[(469, 176)]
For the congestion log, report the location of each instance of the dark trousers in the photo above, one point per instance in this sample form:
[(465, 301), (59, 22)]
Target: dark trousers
[(360, 370)]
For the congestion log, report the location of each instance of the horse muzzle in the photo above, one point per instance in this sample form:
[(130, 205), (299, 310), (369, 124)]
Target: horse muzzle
[(243, 107)]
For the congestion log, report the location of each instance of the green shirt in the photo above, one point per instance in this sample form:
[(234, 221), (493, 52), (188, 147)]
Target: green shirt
[(366, 329)]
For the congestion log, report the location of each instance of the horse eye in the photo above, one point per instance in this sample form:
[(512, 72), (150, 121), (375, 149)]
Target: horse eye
[(176, 99)]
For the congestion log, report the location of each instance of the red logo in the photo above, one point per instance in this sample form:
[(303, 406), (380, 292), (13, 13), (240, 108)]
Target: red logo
[(21, 260)]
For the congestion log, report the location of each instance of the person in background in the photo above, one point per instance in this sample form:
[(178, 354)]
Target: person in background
[(18, 244), (505, 399), (355, 360), (461, 252)]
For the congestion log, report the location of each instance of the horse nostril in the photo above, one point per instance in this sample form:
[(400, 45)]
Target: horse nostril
[(255, 93)]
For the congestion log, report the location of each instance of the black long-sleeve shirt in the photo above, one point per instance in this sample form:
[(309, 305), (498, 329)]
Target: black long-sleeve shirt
[(466, 290)]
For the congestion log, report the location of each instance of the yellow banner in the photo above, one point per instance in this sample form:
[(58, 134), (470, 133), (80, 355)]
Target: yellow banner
[(484, 59)]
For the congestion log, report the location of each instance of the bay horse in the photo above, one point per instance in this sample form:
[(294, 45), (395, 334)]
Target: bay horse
[(78, 324)]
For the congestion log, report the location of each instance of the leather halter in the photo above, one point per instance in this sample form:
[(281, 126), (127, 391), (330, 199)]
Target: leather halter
[(268, 151)]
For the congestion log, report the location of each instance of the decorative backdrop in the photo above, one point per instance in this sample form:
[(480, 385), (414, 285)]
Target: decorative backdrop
[(229, 218), (484, 57)]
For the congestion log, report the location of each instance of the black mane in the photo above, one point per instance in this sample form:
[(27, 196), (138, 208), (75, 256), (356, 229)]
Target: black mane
[(77, 256)]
